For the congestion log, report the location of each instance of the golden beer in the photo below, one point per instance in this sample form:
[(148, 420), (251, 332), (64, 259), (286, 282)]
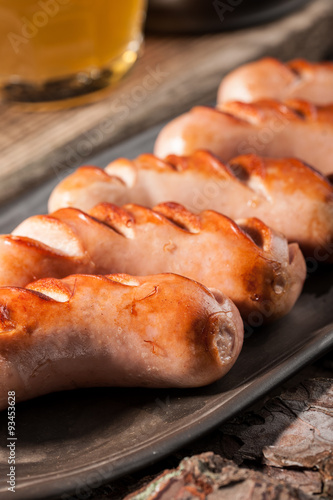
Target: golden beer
[(61, 49)]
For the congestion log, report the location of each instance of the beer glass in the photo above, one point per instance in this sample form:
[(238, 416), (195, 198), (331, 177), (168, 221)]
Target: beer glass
[(65, 51)]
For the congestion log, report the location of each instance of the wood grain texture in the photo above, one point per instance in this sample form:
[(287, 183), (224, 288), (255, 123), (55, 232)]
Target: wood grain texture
[(173, 74)]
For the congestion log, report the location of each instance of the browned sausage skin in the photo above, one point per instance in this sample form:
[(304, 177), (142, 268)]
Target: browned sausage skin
[(250, 263), (118, 330), (269, 128), (269, 78), (285, 194)]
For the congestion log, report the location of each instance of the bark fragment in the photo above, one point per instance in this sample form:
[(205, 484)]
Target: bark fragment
[(284, 448), (210, 477), (290, 437)]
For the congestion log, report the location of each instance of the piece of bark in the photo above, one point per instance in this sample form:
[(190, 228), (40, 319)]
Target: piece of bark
[(313, 390), (292, 431), (308, 440), (308, 481), (210, 477), (297, 427)]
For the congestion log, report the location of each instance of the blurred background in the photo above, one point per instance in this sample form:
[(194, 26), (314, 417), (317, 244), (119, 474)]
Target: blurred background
[(79, 76)]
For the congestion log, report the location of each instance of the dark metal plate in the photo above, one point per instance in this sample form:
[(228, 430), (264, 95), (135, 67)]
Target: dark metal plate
[(75, 441)]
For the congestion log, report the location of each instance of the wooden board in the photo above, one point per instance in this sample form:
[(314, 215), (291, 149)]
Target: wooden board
[(173, 74)]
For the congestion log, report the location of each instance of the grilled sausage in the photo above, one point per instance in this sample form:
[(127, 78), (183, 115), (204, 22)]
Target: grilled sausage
[(285, 194), (268, 128), (269, 78), (118, 330), (251, 264)]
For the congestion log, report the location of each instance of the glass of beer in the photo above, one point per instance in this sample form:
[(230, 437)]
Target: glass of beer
[(66, 51)]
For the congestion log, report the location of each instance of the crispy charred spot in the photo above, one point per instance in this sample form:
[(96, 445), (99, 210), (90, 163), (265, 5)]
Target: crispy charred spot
[(300, 113), (123, 279), (6, 325), (93, 170), (250, 113), (39, 294), (258, 111), (254, 233), (179, 216), (246, 166), (118, 219), (303, 109), (29, 329), (253, 283), (150, 161), (144, 215), (302, 67), (178, 163), (330, 179), (202, 161), (207, 162), (86, 175), (297, 67), (257, 231), (19, 240), (239, 171)]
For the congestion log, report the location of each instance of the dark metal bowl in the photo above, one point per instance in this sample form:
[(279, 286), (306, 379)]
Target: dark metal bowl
[(199, 16)]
